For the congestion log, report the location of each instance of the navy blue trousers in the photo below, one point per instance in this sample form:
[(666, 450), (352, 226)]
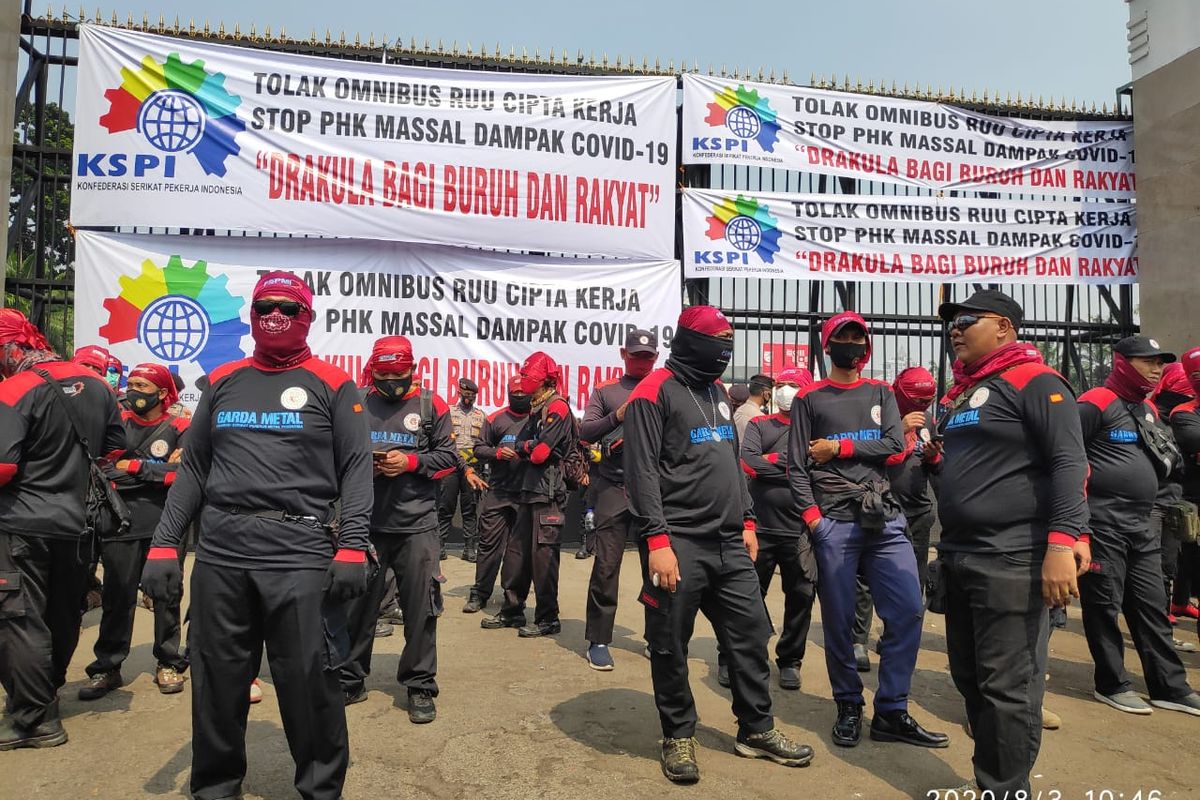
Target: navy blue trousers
[(887, 564)]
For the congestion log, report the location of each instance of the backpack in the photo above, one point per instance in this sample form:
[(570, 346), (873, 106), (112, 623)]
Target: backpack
[(574, 465)]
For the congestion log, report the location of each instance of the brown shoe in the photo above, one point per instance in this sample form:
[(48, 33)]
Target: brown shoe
[(100, 685), (168, 680)]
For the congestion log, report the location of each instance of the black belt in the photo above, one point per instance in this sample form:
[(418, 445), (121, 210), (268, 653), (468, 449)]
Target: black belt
[(272, 514)]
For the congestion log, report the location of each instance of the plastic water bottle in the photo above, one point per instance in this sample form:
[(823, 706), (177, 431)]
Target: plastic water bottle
[(589, 521)]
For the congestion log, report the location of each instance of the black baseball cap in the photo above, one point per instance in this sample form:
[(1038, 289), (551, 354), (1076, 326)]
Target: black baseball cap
[(988, 301), (467, 385), (1142, 347), (640, 341)]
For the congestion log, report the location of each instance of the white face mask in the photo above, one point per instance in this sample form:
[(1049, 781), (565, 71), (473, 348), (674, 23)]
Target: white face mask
[(784, 395)]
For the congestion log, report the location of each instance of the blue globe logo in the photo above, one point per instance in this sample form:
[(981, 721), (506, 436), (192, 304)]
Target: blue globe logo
[(743, 122), (174, 328), (743, 233), (171, 120)]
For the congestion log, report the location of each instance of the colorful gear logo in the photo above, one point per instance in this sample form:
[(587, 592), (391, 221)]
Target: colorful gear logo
[(179, 313), (192, 112), (753, 226), (733, 109)]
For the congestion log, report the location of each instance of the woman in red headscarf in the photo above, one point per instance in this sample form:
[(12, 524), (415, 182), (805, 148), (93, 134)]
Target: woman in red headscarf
[(143, 475)]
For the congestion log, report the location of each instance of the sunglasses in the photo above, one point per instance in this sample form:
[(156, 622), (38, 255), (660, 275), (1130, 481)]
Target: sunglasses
[(964, 321), (288, 308)]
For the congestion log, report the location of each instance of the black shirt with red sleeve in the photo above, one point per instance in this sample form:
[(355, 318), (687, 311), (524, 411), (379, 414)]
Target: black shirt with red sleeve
[(408, 502), (501, 429), (43, 471), (764, 460), (862, 417), (291, 441), (1185, 423), (1014, 465), (600, 419), (1123, 482), (682, 472), (149, 474), (544, 441)]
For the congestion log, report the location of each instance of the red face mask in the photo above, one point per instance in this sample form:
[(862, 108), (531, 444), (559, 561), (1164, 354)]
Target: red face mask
[(638, 367), (281, 341)]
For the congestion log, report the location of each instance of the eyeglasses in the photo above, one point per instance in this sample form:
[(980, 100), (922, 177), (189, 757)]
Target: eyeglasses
[(964, 321), (288, 308)]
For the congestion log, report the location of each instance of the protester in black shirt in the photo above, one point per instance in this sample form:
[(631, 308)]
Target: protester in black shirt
[(1126, 569), (1179, 556), (1011, 502), (44, 541), (276, 442), (693, 514)]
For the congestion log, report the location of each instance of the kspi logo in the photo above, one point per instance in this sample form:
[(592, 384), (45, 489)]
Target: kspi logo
[(743, 114), (179, 109), (746, 227), (179, 314)]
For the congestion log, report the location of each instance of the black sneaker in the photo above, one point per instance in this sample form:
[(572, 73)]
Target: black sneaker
[(723, 675), (583, 552), (789, 678), (898, 726), (469, 555), (501, 621), (383, 629), (473, 606), (356, 695), (393, 616), (678, 760), (50, 733), (540, 629), (862, 662), (774, 745), (420, 707), (100, 685), (847, 731)]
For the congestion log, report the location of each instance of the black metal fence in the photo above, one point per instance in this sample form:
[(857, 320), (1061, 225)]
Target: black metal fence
[(1073, 325)]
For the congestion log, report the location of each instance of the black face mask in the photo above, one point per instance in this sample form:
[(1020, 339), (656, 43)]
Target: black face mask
[(466, 403), (520, 405), (844, 355), (394, 389), (698, 359), (142, 402)]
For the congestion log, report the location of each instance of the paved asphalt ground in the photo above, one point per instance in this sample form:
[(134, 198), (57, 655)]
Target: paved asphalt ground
[(525, 719)]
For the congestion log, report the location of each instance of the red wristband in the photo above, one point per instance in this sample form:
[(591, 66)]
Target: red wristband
[(658, 541), (158, 553), (811, 514), (412, 461), (348, 556), (845, 448), (134, 466), (749, 525), (1058, 537)]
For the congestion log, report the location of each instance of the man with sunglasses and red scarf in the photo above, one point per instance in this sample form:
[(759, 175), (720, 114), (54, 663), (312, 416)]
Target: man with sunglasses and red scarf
[(276, 441), (1012, 507)]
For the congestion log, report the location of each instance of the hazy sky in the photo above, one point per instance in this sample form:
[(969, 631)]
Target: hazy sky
[(1054, 48)]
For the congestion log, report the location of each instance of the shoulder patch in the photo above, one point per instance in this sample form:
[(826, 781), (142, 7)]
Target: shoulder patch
[(1101, 397), (334, 377), (650, 385), (227, 369), (1020, 376)]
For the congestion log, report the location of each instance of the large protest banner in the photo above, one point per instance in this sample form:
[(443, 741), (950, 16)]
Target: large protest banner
[(175, 133), (918, 143), (914, 238), (184, 301)]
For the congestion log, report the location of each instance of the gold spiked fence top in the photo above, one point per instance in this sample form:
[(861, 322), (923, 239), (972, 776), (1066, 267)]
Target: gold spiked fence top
[(562, 61)]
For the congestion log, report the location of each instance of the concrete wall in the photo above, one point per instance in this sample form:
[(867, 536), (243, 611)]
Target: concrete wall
[(10, 30), (1160, 31), (1166, 118)]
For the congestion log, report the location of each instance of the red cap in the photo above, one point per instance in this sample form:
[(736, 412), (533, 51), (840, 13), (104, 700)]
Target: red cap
[(514, 384), (160, 376), (704, 319), (915, 389), (390, 354), (93, 356), (797, 375), (536, 370), (837, 322), (1174, 379), (284, 284), (1191, 367)]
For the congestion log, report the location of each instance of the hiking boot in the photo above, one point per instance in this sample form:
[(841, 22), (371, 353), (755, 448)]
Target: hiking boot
[(382, 630), (420, 707), (501, 621), (540, 629), (101, 684), (789, 678), (862, 661), (354, 695), (168, 680), (49, 733), (256, 694), (1129, 702), (599, 658), (678, 760), (847, 730), (469, 554), (583, 551), (1190, 704), (774, 745), (723, 675), (899, 726), (473, 606)]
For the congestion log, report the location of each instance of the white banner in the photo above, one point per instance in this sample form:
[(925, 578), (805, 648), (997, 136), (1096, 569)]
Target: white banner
[(175, 133), (184, 301), (917, 238), (912, 142)]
